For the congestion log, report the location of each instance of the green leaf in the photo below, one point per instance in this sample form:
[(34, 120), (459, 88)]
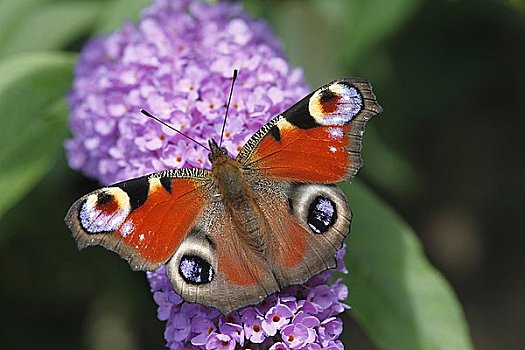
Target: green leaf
[(121, 11), (396, 295), (368, 22), (32, 90), (517, 4), (51, 26), (12, 14), (329, 38), (387, 168)]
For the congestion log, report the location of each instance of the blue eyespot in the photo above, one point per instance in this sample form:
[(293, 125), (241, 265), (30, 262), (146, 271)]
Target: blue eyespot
[(322, 214), (196, 270)]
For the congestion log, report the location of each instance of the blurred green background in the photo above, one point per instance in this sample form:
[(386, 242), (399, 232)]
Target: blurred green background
[(445, 154)]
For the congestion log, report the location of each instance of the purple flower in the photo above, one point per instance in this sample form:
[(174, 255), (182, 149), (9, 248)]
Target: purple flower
[(252, 321), (220, 341), (329, 330), (277, 317), (310, 322), (234, 330), (295, 335), (203, 328), (177, 62), (278, 346)]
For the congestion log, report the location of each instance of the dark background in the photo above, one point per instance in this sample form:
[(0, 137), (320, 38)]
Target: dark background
[(449, 75)]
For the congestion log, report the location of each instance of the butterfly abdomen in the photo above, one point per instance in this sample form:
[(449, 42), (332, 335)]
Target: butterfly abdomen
[(238, 200)]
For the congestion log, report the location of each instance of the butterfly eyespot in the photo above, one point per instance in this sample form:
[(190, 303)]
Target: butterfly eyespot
[(322, 214), (321, 209), (195, 270), (104, 211), (336, 104)]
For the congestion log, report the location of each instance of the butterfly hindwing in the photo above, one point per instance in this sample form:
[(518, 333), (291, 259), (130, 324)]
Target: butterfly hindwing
[(307, 225), (214, 266), (144, 220), (318, 139)]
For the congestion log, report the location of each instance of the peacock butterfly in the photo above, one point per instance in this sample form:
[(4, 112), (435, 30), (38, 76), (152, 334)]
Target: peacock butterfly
[(250, 226)]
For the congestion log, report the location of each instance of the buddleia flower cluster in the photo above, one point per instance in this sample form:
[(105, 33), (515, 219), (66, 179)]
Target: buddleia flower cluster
[(177, 62), (299, 317)]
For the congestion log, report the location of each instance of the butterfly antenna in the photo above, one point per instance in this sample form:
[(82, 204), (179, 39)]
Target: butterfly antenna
[(235, 73), (149, 115)]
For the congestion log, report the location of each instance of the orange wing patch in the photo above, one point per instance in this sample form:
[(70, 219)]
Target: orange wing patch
[(156, 228), (237, 273), (293, 251), (318, 154)]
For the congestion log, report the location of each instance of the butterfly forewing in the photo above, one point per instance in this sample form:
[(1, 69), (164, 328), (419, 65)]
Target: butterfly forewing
[(319, 138), (144, 219)]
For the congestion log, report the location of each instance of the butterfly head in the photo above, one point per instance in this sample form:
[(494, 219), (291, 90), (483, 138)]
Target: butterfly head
[(217, 153)]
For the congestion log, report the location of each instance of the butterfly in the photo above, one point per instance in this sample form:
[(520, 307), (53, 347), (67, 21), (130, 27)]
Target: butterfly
[(251, 225)]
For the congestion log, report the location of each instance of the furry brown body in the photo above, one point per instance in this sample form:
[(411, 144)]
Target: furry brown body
[(238, 199)]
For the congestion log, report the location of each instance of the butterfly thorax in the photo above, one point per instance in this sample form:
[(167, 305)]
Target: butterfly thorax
[(237, 197), (228, 176)]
